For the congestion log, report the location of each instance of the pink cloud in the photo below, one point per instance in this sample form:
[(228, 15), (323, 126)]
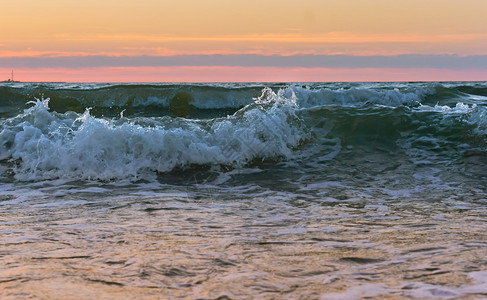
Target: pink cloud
[(243, 74)]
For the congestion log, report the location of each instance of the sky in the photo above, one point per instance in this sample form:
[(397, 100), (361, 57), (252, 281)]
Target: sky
[(264, 40)]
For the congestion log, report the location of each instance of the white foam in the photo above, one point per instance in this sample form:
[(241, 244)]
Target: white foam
[(307, 97), (49, 145), (460, 108)]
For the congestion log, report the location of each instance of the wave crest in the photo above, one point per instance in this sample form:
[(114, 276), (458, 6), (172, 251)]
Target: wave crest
[(48, 145)]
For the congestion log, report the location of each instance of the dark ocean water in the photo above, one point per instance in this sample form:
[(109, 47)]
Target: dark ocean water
[(319, 190)]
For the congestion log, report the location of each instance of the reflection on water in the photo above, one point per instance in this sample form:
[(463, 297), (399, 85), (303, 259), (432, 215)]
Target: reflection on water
[(242, 243)]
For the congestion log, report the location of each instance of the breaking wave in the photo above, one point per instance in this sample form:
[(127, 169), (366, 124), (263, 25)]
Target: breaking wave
[(133, 132)]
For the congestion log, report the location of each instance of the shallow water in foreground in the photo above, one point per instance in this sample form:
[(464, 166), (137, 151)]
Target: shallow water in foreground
[(215, 244), (326, 191)]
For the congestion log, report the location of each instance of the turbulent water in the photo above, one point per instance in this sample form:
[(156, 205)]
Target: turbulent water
[(243, 191)]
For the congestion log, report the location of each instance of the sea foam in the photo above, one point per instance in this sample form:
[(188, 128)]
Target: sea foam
[(47, 145)]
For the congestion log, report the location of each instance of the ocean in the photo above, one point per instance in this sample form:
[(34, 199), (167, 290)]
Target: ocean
[(243, 190)]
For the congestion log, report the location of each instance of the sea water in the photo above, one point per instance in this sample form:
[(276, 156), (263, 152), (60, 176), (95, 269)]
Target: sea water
[(243, 191)]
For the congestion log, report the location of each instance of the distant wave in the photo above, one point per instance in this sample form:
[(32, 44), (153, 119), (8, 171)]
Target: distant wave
[(77, 97)]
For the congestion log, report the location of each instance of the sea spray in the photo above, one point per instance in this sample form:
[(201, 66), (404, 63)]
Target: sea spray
[(48, 145)]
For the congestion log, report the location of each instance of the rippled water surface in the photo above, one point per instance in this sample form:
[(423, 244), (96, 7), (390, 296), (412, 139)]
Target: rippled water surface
[(83, 241)]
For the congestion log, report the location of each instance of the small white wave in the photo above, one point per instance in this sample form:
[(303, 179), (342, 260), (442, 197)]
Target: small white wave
[(307, 97), (460, 108), (474, 115)]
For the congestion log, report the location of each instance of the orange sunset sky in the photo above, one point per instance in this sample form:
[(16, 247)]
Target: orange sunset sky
[(213, 40)]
